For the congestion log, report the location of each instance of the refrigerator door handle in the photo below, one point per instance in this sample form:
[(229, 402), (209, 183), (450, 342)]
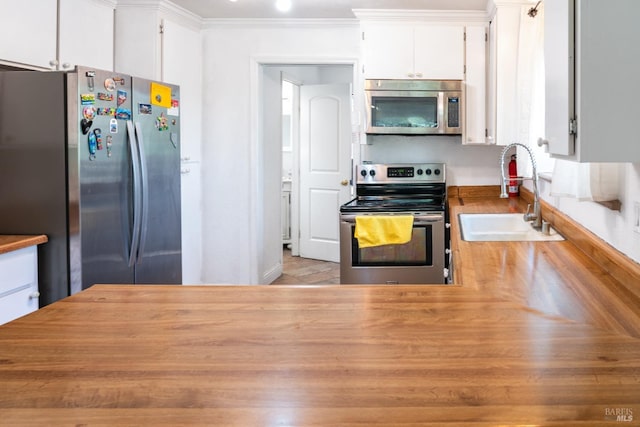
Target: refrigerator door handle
[(137, 193), (145, 192)]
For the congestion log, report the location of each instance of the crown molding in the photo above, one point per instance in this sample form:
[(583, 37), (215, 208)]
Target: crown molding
[(181, 15), (279, 23), (414, 15), (110, 3)]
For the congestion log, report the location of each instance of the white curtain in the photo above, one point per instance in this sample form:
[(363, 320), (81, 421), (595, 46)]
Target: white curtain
[(530, 88), (598, 182)]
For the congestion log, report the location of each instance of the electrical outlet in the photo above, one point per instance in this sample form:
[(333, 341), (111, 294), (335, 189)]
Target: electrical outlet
[(636, 217)]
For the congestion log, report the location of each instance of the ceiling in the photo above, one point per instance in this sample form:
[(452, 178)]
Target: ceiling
[(316, 9)]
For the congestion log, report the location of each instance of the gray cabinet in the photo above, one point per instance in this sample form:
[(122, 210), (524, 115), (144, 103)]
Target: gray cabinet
[(592, 85)]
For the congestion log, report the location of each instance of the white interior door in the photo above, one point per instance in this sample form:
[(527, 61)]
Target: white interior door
[(325, 159)]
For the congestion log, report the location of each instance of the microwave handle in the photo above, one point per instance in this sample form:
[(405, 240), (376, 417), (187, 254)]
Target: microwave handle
[(366, 112), (441, 113)]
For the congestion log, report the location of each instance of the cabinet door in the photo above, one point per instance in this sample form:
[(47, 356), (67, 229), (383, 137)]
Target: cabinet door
[(28, 32), (388, 51), (491, 82), (19, 284), (559, 72), (86, 34), (439, 52), (475, 86), (607, 84), (505, 30)]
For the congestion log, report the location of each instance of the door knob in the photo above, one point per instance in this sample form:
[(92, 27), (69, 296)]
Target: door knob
[(344, 182)]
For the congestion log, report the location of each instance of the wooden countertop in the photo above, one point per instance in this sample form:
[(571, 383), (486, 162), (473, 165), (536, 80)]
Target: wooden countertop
[(10, 243), (303, 356), (534, 333), (556, 278)]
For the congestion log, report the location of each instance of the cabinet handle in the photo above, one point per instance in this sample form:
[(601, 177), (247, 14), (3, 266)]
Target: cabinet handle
[(411, 75), (543, 143), (185, 171), (419, 75), (34, 295)]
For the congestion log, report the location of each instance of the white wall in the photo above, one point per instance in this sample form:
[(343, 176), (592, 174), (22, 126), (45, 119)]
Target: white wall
[(183, 45), (466, 164), (233, 158), (615, 228)]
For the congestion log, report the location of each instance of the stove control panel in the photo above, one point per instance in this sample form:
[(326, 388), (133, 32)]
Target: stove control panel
[(379, 173)]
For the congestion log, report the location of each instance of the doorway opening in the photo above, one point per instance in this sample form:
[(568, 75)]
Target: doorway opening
[(309, 208)]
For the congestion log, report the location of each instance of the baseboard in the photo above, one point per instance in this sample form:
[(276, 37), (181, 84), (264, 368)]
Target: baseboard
[(273, 273)]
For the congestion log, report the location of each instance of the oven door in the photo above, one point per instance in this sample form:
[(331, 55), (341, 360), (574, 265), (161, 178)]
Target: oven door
[(421, 260)]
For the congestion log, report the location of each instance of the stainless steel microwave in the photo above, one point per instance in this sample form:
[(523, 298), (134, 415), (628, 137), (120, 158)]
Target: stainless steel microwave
[(415, 107)]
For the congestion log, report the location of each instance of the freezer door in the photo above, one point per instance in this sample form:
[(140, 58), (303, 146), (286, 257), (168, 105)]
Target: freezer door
[(156, 115), (100, 179)]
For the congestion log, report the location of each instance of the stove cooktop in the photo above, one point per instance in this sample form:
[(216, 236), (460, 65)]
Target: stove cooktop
[(394, 205), (398, 187)]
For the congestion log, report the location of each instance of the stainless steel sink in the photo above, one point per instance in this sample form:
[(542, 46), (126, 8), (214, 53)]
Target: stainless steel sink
[(501, 227)]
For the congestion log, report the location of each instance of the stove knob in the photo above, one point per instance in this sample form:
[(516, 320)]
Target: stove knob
[(363, 172), (419, 171), (428, 171), (372, 172), (437, 171)]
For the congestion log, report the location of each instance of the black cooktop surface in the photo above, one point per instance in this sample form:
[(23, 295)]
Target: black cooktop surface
[(378, 204)]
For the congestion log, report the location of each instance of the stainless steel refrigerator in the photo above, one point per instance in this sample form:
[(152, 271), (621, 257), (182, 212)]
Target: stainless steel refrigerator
[(91, 158)]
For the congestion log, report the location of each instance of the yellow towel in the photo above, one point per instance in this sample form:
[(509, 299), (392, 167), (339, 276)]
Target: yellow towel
[(377, 230)]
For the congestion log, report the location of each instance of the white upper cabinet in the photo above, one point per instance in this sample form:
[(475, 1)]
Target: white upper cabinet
[(439, 51), (423, 51), (592, 46), (86, 34), (57, 34), (503, 66), (476, 85), (28, 32)]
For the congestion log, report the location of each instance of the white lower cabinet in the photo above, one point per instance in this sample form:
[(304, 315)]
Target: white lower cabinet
[(19, 283)]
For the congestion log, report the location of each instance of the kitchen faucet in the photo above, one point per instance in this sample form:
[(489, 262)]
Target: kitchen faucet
[(536, 217)]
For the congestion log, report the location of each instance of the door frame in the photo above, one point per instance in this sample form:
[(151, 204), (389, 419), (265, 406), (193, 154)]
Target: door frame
[(295, 169), (261, 273)]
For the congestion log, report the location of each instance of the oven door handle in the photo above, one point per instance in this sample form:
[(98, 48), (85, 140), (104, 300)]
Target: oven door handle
[(421, 219)]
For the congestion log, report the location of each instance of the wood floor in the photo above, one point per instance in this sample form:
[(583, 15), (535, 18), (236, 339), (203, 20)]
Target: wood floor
[(305, 271)]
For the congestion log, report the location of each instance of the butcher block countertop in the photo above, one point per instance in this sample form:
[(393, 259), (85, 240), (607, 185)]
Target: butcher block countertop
[(310, 356), (532, 333), (557, 277), (9, 243)]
